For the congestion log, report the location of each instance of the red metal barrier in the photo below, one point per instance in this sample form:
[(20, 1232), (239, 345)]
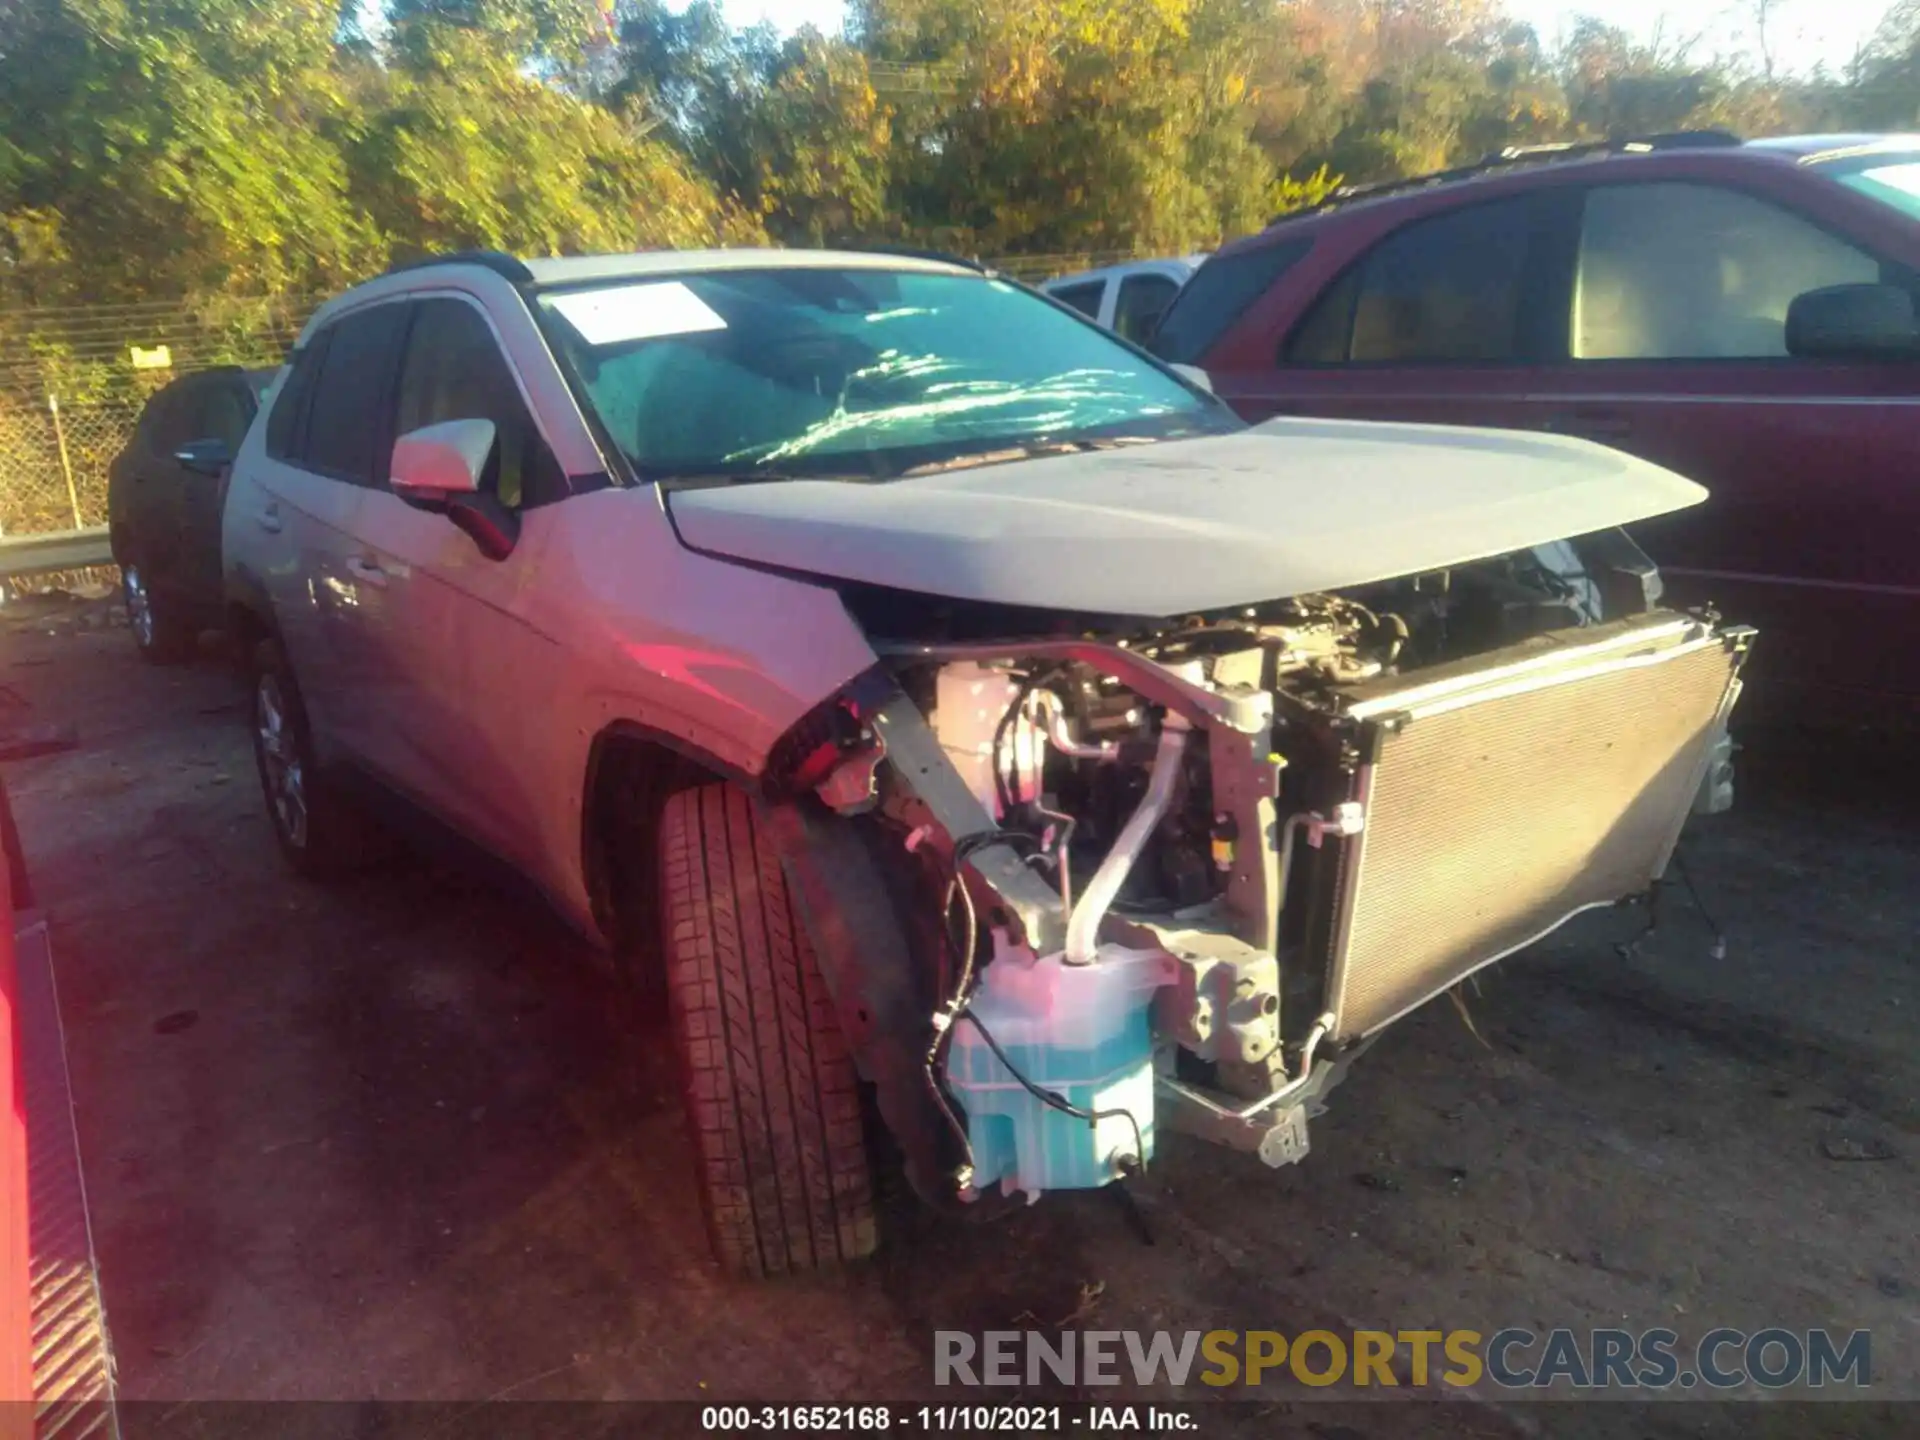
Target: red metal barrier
[(16, 1320)]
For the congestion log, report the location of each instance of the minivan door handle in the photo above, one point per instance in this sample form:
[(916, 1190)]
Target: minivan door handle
[(268, 518), (1605, 426)]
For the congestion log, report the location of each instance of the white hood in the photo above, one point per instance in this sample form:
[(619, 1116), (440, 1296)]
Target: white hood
[(1286, 508)]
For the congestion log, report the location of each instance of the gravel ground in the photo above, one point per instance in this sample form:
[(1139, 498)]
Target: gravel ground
[(405, 1139)]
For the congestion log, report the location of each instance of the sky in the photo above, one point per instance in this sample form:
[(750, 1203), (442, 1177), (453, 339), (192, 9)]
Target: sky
[(1801, 33)]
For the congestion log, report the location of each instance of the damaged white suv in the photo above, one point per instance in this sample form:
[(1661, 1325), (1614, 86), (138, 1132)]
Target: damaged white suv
[(965, 710)]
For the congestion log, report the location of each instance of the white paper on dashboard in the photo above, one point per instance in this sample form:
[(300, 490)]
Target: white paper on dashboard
[(636, 312)]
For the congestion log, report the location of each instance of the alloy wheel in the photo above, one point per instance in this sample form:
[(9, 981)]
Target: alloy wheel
[(280, 766), (139, 606)]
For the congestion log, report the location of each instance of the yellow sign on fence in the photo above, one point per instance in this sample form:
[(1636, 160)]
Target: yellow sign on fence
[(158, 358)]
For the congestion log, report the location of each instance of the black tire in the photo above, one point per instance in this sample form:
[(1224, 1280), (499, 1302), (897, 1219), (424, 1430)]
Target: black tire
[(318, 830), (771, 1094), (157, 633)]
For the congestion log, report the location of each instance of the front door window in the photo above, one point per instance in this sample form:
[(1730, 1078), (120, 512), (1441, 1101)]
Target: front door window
[(1677, 271)]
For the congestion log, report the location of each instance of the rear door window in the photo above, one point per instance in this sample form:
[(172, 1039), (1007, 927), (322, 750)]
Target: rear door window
[(168, 421), (222, 413), (286, 422), (351, 406), (1450, 289), (1084, 298), (1223, 289)]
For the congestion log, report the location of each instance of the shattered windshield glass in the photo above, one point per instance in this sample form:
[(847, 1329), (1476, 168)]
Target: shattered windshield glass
[(854, 373)]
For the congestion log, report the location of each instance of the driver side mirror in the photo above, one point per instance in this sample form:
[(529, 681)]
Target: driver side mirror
[(205, 457), (433, 464), (1854, 322), (438, 468)]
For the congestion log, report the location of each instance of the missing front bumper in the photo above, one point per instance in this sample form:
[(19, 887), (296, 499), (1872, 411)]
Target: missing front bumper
[(1503, 796)]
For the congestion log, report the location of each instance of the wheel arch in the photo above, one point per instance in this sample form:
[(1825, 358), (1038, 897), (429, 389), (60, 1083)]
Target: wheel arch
[(870, 955), (631, 770)]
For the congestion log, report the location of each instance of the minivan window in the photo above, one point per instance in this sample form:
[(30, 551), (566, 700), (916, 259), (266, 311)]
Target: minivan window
[(1679, 271), (349, 410), (1223, 289), (1445, 289)]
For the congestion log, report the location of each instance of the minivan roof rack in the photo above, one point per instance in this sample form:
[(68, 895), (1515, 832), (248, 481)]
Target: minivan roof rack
[(1517, 155), (497, 261)]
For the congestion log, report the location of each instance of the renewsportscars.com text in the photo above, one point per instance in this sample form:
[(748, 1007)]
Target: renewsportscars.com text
[(1721, 1359)]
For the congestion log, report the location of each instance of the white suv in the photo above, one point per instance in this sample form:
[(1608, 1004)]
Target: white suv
[(1128, 299), (961, 709)]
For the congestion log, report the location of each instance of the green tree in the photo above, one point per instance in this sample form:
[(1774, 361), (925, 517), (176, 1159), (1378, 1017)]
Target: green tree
[(1091, 125), (549, 32), (205, 148), (822, 143), (702, 83), (171, 148), (463, 145), (1617, 86), (1392, 87), (1885, 89)]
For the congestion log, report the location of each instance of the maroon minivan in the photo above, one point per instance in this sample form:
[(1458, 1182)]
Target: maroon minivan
[(1743, 313)]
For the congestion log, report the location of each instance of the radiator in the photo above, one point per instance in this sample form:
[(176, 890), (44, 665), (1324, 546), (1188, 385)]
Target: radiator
[(1503, 796)]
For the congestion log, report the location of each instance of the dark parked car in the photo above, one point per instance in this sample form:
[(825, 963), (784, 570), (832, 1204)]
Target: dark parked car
[(1743, 313), (165, 492)]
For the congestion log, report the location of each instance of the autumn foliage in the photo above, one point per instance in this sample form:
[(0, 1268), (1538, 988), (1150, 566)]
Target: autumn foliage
[(182, 148)]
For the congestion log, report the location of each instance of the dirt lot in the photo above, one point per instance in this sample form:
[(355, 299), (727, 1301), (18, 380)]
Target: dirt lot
[(403, 1139)]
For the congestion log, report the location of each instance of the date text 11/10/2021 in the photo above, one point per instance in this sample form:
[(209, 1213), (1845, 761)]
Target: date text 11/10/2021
[(947, 1419)]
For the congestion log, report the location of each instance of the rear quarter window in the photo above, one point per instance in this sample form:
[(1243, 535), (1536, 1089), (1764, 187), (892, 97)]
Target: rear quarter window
[(1222, 290)]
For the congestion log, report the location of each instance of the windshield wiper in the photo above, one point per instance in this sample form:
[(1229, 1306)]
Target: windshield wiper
[(716, 479), (1034, 450)]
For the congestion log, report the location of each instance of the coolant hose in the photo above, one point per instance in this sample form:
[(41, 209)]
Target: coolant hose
[(1083, 927)]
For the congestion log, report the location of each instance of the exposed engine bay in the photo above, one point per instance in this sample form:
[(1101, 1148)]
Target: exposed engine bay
[(1182, 871)]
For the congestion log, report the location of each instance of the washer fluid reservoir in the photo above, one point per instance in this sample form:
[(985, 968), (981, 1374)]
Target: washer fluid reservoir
[(1080, 1031)]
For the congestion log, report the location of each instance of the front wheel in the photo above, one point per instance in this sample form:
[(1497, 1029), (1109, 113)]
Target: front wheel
[(772, 1098), (316, 828)]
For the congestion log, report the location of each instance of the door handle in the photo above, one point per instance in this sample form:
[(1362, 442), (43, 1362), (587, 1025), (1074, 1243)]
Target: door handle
[(268, 518), (361, 568), (1602, 425)]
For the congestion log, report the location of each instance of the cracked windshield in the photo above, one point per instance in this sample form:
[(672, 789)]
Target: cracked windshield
[(855, 374)]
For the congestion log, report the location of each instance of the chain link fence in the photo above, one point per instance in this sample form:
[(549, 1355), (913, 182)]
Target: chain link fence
[(1035, 268), (73, 382)]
